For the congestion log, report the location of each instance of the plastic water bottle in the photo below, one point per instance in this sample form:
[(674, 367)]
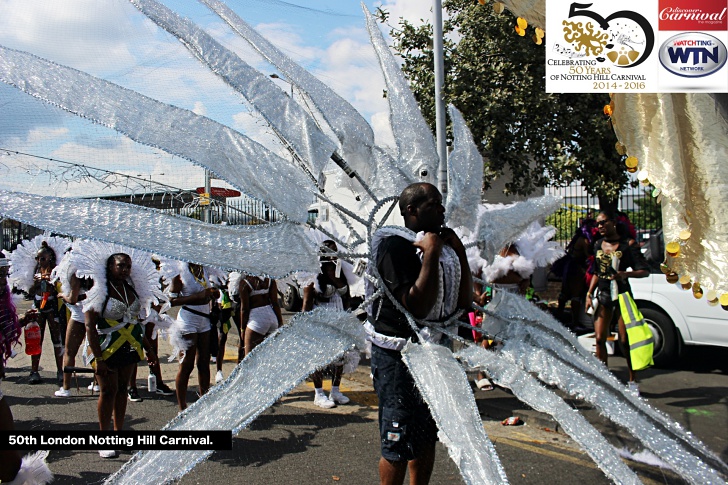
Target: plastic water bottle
[(32, 338), (152, 383)]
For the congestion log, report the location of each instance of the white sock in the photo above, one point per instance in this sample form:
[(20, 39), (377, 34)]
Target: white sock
[(320, 391), (334, 389)]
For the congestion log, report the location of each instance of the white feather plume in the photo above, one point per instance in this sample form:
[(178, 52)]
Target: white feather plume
[(22, 260)]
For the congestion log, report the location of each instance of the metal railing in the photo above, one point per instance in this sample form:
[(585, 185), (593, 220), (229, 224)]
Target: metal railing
[(642, 209)]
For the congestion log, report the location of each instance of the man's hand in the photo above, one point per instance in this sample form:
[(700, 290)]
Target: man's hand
[(431, 243)]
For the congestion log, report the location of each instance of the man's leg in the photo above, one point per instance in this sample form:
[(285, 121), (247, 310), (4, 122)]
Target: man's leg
[(392, 472), (421, 468)]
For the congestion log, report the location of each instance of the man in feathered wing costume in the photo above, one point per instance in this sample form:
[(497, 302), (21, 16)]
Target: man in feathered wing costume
[(430, 278)]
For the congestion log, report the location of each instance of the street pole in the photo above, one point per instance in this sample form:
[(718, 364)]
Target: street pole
[(206, 210), (440, 123)]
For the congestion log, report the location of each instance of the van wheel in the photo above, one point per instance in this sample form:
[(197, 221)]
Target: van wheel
[(667, 346), (291, 301)]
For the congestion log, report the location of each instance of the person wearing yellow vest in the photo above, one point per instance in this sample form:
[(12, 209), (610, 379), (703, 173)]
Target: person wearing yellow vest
[(614, 254), (116, 339)]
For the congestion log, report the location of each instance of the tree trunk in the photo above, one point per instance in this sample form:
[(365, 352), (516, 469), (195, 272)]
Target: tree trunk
[(606, 204)]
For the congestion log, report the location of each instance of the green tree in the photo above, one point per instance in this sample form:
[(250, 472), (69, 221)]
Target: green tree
[(648, 214), (497, 80)]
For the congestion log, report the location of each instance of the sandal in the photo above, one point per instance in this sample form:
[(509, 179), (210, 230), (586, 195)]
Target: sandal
[(484, 385)]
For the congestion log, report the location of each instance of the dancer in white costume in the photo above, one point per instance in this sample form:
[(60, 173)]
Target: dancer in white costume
[(536, 346), (73, 292), (125, 287), (31, 265), (328, 289), (260, 314), (191, 286)]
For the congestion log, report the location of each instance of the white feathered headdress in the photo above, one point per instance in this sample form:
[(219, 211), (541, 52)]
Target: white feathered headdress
[(64, 270), (23, 263), (535, 250), (169, 268), (355, 282), (90, 257)]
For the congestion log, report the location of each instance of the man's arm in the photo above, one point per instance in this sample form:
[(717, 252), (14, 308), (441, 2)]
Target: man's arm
[(421, 296)]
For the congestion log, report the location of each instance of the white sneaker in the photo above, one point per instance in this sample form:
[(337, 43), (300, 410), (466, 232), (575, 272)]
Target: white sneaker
[(63, 392), (219, 377), (322, 401), (634, 388), (338, 397), (94, 387), (108, 453)]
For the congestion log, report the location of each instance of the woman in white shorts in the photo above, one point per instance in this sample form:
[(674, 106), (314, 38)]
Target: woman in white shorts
[(73, 295), (192, 289), (329, 289), (260, 314)]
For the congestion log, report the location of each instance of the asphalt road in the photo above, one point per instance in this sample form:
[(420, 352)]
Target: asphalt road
[(295, 442)]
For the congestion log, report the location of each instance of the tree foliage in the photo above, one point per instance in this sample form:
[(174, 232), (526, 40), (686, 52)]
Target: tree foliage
[(497, 80)]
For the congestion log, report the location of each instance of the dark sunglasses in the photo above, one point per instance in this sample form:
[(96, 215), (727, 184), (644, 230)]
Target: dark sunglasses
[(601, 223), (43, 258)]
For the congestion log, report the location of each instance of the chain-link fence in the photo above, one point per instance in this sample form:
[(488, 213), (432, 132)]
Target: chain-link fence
[(638, 204)]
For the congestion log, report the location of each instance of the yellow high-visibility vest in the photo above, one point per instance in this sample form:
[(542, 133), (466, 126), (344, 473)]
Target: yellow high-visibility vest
[(639, 336)]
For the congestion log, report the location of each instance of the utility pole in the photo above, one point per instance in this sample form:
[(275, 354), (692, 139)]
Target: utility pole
[(440, 122), (206, 210)]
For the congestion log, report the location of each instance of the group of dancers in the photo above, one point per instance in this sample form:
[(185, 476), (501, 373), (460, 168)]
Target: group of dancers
[(117, 298)]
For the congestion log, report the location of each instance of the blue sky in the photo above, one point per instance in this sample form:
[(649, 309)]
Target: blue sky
[(112, 40)]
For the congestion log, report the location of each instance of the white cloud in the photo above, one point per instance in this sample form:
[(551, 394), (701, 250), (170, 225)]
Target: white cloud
[(411, 10), (86, 34), (382, 130), (286, 38), (44, 134)]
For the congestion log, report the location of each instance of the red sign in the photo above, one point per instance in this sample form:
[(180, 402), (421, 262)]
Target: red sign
[(219, 192), (693, 15)]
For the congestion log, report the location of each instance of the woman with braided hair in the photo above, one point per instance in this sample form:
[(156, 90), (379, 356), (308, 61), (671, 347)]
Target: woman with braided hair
[(31, 265)]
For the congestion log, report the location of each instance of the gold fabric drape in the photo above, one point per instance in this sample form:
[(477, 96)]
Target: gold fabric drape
[(681, 140)]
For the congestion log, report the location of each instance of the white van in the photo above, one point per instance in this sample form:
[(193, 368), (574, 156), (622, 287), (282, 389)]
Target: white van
[(676, 317)]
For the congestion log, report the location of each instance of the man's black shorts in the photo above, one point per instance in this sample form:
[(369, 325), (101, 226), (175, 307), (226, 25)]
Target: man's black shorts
[(406, 427)]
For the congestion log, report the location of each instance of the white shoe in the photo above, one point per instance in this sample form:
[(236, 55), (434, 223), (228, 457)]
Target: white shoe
[(338, 398), (219, 377), (322, 401), (108, 453), (63, 392), (94, 387), (634, 388)]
